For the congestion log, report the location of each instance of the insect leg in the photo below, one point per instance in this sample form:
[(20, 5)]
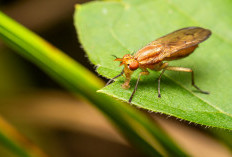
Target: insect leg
[(145, 72), (159, 95), (162, 66), (137, 82), (187, 70), (111, 80)]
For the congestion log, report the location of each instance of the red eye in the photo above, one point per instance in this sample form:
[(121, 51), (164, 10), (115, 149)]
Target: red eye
[(134, 65)]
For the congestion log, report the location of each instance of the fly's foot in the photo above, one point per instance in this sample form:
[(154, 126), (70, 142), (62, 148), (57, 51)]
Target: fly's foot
[(125, 86)]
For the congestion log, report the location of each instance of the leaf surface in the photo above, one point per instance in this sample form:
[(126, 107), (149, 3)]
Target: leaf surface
[(121, 27)]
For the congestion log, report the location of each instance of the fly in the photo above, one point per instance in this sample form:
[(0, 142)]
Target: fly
[(176, 45)]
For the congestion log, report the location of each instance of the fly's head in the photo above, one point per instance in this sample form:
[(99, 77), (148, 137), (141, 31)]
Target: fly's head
[(129, 62)]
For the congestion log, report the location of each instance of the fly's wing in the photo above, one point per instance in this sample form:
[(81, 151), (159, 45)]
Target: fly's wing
[(178, 40)]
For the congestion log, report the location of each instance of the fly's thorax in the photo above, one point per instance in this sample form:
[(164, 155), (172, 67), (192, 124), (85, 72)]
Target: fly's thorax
[(149, 52)]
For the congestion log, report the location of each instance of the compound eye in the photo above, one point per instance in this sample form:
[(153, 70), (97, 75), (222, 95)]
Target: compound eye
[(134, 65)]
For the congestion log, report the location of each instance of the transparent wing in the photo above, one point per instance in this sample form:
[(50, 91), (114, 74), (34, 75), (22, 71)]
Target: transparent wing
[(178, 40)]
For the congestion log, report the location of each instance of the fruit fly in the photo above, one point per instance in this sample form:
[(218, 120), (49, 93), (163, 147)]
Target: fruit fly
[(176, 45)]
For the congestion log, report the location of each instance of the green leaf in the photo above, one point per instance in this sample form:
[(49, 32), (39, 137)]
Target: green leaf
[(122, 27)]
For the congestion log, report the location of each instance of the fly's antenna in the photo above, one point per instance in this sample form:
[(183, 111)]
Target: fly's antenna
[(114, 56)]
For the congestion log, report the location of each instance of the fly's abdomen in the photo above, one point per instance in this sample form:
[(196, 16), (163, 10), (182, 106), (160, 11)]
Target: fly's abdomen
[(181, 53)]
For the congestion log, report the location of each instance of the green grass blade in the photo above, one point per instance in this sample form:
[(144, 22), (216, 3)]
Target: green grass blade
[(140, 131)]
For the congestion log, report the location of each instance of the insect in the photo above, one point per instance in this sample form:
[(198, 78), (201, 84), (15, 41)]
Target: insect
[(176, 45)]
